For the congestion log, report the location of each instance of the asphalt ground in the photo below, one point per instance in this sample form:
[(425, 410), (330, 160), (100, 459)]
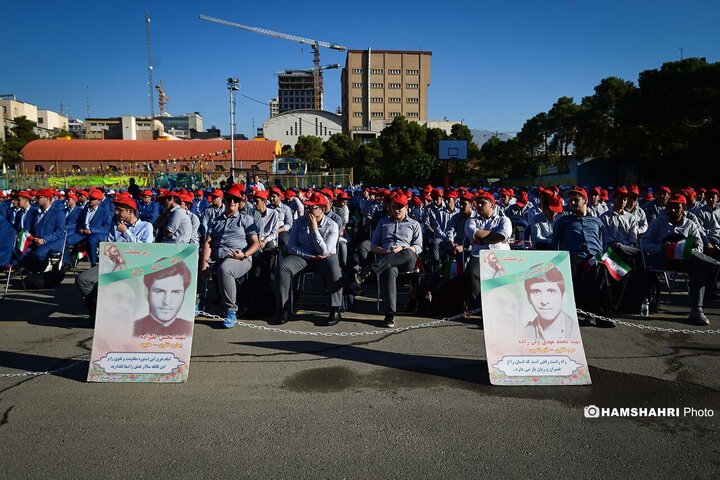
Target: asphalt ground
[(415, 404)]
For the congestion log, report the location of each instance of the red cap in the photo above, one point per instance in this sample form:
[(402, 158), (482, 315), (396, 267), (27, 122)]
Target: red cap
[(522, 199), (621, 191), (483, 194), (400, 198), (604, 194), (677, 198), (317, 199), (436, 192), (427, 188), (72, 195), (328, 192), (713, 191), (200, 192), (507, 191), (186, 197), (580, 191), (45, 192), (664, 189), (343, 195), (277, 192), (261, 194), (467, 196), (127, 202), (554, 203), (289, 194), (96, 194), (236, 190), (416, 201), (634, 191), (147, 193), (24, 193), (216, 193), (452, 194), (82, 192), (649, 197), (596, 191)]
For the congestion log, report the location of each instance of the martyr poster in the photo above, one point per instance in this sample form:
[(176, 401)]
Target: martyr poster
[(145, 312), (531, 327)]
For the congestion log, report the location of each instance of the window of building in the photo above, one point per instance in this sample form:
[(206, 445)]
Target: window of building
[(39, 168), (357, 70), (393, 71), (394, 100), (412, 85), (357, 85), (394, 85), (357, 99), (413, 114), (413, 72), (413, 100), (184, 168), (377, 71), (219, 168), (377, 114), (41, 120), (357, 114), (357, 128), (394, 114), (376, 100), (376, 85)]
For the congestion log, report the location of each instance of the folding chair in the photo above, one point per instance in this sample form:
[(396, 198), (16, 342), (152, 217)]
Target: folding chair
[(401, 275)]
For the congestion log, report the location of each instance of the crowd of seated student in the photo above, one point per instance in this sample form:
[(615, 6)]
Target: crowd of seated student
[(344, 236)]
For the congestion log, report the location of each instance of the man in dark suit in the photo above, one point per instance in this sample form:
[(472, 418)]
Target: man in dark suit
[(23, 216), (7, 242), (72, 213), (48, 231), (93, 225), (165, 293)]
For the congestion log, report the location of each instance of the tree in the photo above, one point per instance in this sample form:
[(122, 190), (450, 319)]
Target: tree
[(16, 138), (340, 151), (562, 121), (311, 150), (535, 135), (287, 150), (368, 158)]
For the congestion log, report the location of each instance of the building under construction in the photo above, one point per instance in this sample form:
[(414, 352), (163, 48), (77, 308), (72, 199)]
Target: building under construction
[(296, 91)]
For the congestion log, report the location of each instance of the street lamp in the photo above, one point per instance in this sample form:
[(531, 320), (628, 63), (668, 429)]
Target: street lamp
[(233, 84)]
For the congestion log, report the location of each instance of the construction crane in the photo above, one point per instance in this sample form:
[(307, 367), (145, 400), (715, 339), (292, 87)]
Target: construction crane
[(149, 64), (307, 70), (162, 98), (314, 44)]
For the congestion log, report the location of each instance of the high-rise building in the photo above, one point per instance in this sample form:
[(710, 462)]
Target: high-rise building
[(181, 126), (274, 107), (296, 91), (379, 85)]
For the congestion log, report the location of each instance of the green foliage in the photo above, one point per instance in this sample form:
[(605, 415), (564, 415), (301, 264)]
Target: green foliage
[(287, 150), (311, 150), (15, 140), (340, 151)]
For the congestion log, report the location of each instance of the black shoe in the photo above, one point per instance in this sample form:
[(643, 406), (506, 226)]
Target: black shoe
[(587, 321), (697, 317), (389, 320), (333, 319), (282, 317), (604, 323)]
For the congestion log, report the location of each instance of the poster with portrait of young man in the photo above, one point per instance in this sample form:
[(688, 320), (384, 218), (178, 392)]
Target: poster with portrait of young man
[(532, 335), (145, 312)]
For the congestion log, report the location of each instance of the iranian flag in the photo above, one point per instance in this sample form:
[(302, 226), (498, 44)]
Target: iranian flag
[(24, 239), (616, 267), (679, 250)]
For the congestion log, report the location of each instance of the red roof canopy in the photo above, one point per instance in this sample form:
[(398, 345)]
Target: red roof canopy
[(144, 150)]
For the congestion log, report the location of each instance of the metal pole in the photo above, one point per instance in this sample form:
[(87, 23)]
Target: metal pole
[(233, 85)]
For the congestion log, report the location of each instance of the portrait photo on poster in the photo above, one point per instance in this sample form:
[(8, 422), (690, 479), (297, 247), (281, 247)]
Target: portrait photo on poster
[(165, 291)]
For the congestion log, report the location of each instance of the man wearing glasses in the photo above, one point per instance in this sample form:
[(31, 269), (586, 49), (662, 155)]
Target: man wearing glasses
[(312, 247), (232, 239), (397, 241)]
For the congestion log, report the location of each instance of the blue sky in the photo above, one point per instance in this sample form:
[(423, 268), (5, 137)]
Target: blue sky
[(494, 64)]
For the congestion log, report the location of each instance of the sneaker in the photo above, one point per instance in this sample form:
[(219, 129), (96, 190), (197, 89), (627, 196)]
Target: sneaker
[(230, 319), (698, 318), (389, 320)]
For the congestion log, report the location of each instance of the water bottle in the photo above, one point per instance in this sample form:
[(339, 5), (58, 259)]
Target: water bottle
[(645, 307)]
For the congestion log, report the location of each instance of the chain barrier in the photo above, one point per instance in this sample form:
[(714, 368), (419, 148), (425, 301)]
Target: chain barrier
[(48, 372), (647, 327), (385, 331)]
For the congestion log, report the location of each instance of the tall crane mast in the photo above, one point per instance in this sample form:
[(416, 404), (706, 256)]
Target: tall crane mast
[(314, 44), (149, 64), (162, 97)]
